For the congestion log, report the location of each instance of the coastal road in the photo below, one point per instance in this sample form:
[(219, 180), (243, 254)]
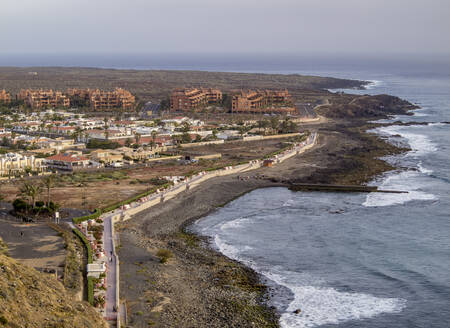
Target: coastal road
[(111, 272)]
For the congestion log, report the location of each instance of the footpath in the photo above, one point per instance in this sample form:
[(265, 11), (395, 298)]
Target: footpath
[(103, 269)]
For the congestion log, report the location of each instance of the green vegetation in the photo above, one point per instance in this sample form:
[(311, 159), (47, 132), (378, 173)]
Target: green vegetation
[(190, 239), (164, 255), (3, 320), (102, 144), (90, 290), (72, 265), (115, 206), (86, 244), (255, 313)]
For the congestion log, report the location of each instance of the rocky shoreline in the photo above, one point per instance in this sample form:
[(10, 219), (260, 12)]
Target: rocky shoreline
[(199, 287)]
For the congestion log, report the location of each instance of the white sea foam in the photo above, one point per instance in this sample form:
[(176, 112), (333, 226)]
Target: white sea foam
[(423, 169), (318, 304), (288, 203), (420, 144), (437, 124), (403, 181), (227, 249), (373, 84), (321, 306), (237, 223)]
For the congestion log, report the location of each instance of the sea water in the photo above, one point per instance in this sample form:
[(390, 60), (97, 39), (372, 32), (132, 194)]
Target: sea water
[(358, 260)]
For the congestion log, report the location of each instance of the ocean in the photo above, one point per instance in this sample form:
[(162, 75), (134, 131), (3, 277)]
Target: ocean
[(345, 260), (358, 260)]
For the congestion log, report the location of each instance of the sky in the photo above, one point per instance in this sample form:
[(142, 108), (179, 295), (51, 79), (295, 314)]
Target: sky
[(225, 26)]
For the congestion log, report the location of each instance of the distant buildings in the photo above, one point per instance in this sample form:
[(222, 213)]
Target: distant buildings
[(12, 164), (106, 100), (67, 162), (193, 98), (266, 101), (38, 99), (5, 97), (100, 100)]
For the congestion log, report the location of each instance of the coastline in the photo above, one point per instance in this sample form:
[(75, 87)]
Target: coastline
[(220, 291)]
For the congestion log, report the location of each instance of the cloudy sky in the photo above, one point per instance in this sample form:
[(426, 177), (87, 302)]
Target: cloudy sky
[(218, 26)]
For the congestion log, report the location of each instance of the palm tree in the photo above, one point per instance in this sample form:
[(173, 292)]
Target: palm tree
[(153, 142), (137, 136), (48, 182), (31, 191)]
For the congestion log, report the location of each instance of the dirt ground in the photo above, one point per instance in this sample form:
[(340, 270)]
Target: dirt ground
[(107, 188), (36, 245)]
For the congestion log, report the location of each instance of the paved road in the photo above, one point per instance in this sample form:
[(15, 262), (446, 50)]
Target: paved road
[(111, 272)]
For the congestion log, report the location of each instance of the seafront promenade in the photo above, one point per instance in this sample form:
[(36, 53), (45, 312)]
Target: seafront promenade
[(113, 312)]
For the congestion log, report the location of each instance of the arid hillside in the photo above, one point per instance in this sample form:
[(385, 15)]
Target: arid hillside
[(32, 299)]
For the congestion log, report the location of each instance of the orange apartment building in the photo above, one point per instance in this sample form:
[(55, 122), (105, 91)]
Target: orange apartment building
[(193, 98), (266, 101), (5, 97), (84, 94), (105, 100), (37, 99)]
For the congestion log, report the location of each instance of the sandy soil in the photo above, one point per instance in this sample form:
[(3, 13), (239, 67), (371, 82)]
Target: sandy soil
[(36, 245)]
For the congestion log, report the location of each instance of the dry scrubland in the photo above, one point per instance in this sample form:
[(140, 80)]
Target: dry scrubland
[(97, 189), (155, 85), (32, 299)]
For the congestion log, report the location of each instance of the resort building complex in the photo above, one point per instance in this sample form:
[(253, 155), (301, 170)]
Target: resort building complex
[(193, 98), (13, 164), (98, 100), (266, 101), (5, 97), (119, 98), (104, 100), (37, 99)]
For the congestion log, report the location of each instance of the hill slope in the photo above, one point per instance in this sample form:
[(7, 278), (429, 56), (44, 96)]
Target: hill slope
[(32, 299)]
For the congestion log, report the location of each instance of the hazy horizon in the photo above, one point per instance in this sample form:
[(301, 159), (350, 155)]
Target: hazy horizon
[(247, 26)]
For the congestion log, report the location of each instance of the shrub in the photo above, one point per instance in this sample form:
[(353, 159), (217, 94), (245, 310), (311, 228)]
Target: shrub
[(86, 244), (20, 205), (3, 320), (40, 203), (164, 255), (90, 283)]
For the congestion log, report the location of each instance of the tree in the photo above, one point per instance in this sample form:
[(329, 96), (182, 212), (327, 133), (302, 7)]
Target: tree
[(30, 191), (214, 134), (176, 139), (287, 126), (48, 182), (165, 104), (77, 133), (128, 142), (186, 138), (274, 123), (153, 142), (137, 136), (186, 127)]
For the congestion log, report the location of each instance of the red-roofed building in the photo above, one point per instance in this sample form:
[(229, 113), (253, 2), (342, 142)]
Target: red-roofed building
[(67, 162), (63, 129)]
